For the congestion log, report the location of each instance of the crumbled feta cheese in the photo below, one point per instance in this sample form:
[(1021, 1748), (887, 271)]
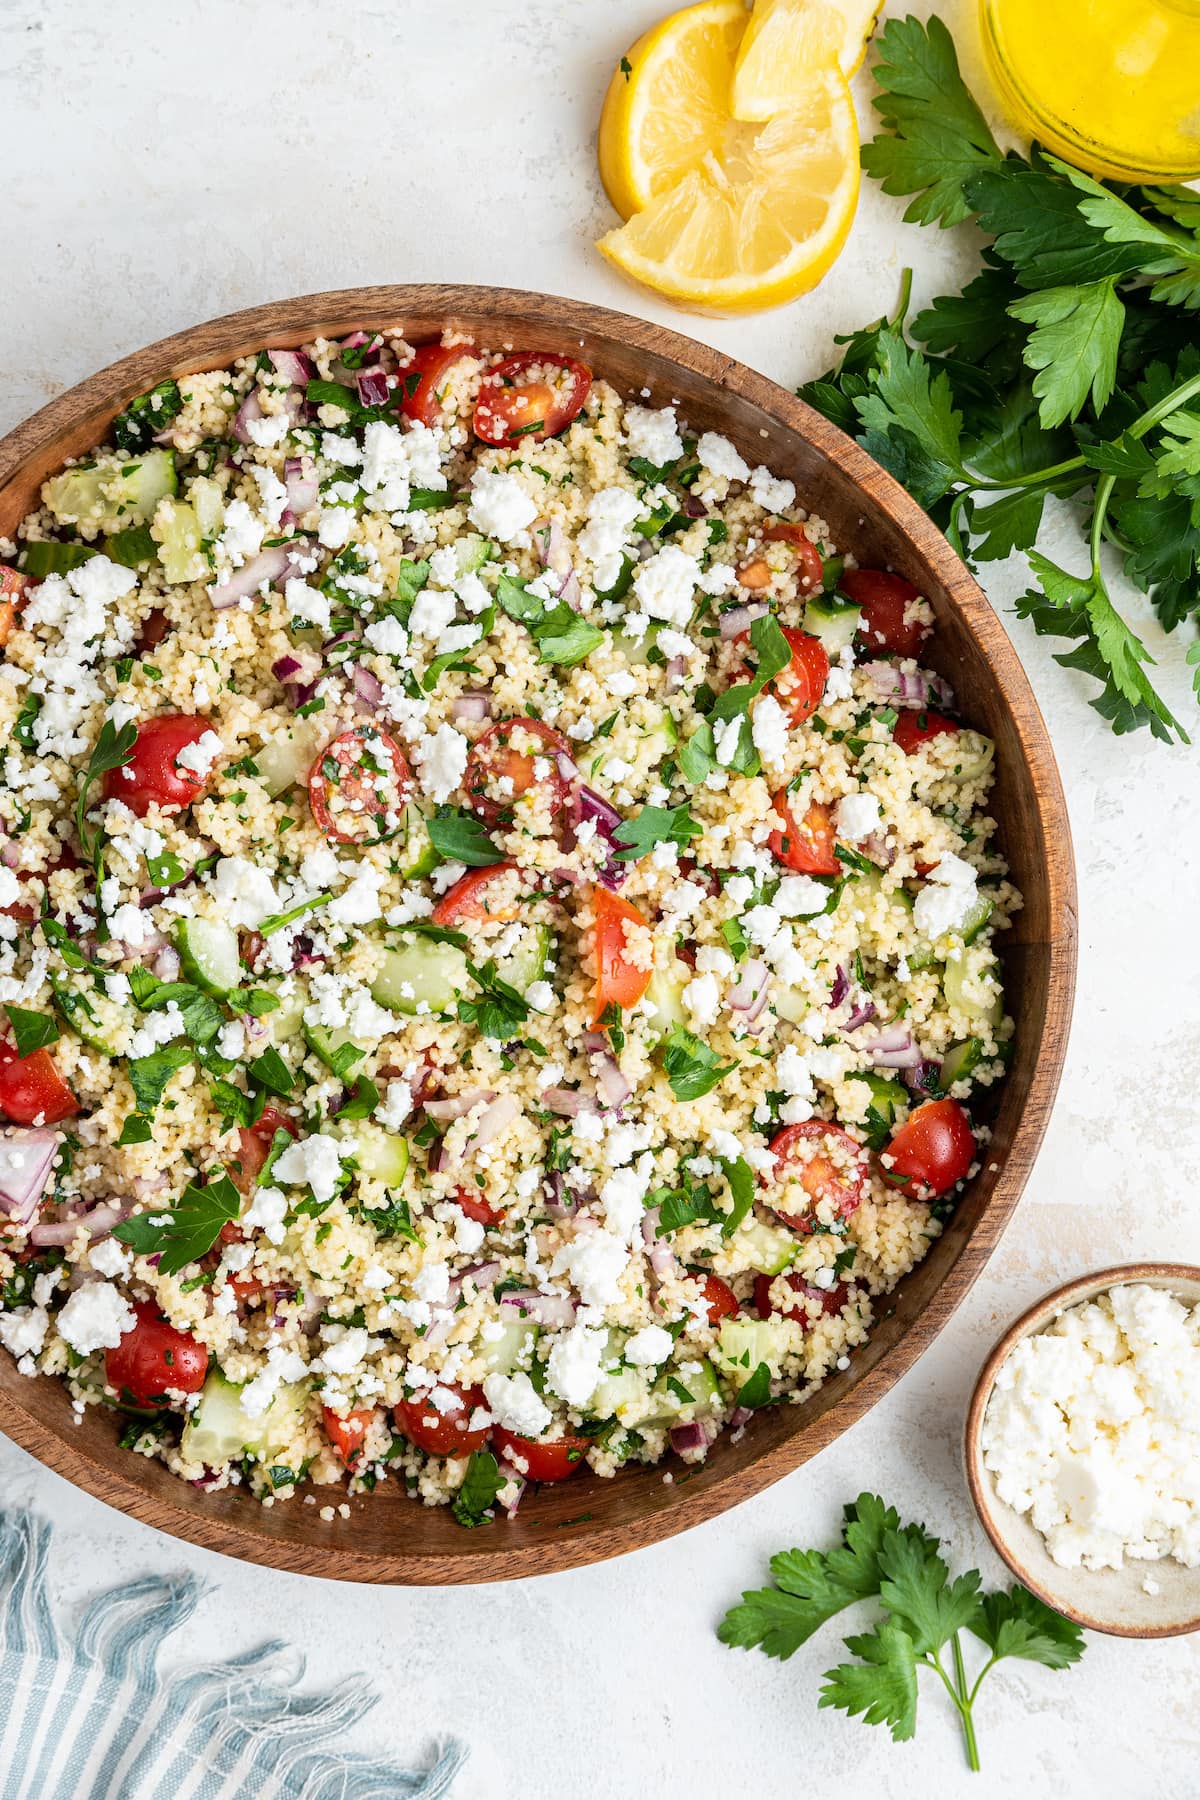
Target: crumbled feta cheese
[(716, 454), (108, 1257), (500, 507), (573, 1365), (793, 1073), (770, 729), (95, 1317), (602, 540), (653, 432), (282, 1365), (702, 998), (23, 1331), (947, 897), (665, 585), (649, 1346), (515, 1404), (799, 896), (314, 1162), (347, 1351), (770, 492), (244, 892), (266, 1213), (441, 760), (388, 636), (595, 1264), (857, 817)]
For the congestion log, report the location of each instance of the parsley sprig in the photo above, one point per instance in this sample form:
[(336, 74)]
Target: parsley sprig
[(1068, 367), (924, 1611), (186, 1230)]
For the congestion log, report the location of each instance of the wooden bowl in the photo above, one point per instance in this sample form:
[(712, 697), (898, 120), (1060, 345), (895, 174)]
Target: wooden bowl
[(388, 1537), (1109, 1600)]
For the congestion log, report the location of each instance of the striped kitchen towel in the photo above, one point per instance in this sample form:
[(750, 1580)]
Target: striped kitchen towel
[(92, 1718)]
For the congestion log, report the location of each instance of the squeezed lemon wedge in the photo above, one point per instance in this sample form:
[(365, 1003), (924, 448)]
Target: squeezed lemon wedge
[(785, 40)]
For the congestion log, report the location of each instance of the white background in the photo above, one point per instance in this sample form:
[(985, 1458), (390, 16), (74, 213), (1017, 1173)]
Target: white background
[(163, 163)]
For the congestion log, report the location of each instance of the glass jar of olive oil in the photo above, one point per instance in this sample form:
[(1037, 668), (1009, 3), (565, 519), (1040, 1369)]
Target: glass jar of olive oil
[(1110, 85)]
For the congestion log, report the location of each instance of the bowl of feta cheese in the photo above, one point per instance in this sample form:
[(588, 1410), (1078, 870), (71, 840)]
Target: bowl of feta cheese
[(1082, 1449)]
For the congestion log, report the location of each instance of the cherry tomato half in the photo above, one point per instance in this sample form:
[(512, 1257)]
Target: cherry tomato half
[(13, 593), (32, 1092), (932, 1150), (481, 896), (914, 728), (885, 599), (619, 980), (828, 1300), (153, 1357), (719, 1298), (478, 1207), (541, 1462), (421, 380), (800, 686), (254, 1146), (810, 570), (153, 776), (825, 1162), (358, 786), (533, 395), (521, 754), (805, 844), (346, 1433), (443, 1433)]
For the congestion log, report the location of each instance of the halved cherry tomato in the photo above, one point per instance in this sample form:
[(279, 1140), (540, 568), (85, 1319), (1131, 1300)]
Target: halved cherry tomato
[(152, 1357), (493, 760), (835, 1169), (254, 1146), (810, 571), (152, 776), (619, 981), (443, 1433), (541, 1462), (477, 1207), (932, 1150), (533, 395), (914, 728), (32, 1092), (480, 896), (346, 1433), (358, 786), (829, 1300), (13, 593), (805, 844), (719, 1298), (800, 686), (884, 600), (421, 379)]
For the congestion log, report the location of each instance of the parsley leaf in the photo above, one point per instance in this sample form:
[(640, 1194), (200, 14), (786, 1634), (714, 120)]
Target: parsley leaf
[(655, 825), (499, 1011), (202, 1016), (1074, 346), (113, 749), (149, 1075), (740, 1177), (32, 1030), (476, 1497), (184, 1232), (138, 426), (691, 1067), (755, 1391), (270, 1071), (882, 1686), (1018, 1624), (459, 837), (561, 635)]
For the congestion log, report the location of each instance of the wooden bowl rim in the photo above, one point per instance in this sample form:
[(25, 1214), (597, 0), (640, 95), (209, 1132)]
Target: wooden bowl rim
[(1031, 1321), (335, 313)]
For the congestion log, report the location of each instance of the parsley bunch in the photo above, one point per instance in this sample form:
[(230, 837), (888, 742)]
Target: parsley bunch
[(923, 1613), (1070, 366)]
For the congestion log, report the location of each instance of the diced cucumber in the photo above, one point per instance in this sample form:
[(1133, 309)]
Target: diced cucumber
[(743, 1343), (208, 504), (833, 622), (623, 582), (131, 548), (220, 1429), (381, 1154), (472, 551), (887, 1097), (975, 754), (960, 1062), (791, 1003), (42, 559), (618, 1388), (209, 955), (978, 918), (330, 1047), (96, 1020), (526, 963), (134, 489), (695, 1393), (285, 760), (419, 969), (665, 992), (287, 1020), (417, 854), (512, 1349), (76, 497), (954, 978), (180, 541), (636, 651), (769, 1247)]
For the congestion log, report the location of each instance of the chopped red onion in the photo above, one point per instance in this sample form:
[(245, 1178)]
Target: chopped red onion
[(607, 1071), (368, 687), (918, 1077), (741, 1415), (484, 1275), (590, 805), (513, 1480), (553, 551), (862, 1014), (26, 1158), (568, 1103), (372, 385), (750, 994), (676, 674), (97, 1222), (303, 490), (298, 676), (740, 618), (497, 1118), (696, 1436), (552, 1310), (472, 708), (166, 963), (296, 368), (567, 768), (443, 1111), (662, 1259), (262, 570), (560, 1201), (11, 854), (878, 849), (570, 593), (249, 410), (840, 988), (893, 1049), (915, 687)]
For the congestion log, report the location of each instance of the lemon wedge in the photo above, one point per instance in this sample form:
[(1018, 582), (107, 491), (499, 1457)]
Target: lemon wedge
[(669, 102), (786, 40), (760, 214)]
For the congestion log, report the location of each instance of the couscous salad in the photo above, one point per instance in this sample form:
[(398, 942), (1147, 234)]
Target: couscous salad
[(496, 929)]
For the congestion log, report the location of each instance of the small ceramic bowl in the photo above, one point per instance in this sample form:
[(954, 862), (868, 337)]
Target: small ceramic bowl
[(1110, 1600)]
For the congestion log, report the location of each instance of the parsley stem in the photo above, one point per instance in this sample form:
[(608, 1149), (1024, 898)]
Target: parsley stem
[(1104, 488), (968, 1721)]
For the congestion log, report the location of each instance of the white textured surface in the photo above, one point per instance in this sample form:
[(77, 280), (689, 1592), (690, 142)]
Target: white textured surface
[(165, 163)]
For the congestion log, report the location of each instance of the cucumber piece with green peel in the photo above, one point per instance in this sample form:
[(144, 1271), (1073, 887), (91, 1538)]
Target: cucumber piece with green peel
[(526, 962), (208, 503), (96, 1020), (285, 761), (665, 994), (180, 542), (887, 1097), (954, 978), (417, 854), (978, 919), (833, 623), (770, 1248), (696, 1393), (332, 1048), (960, 1062), (472, 551), (419, 969), (743, 1343), (134, 489), (636, 651), (618, 1389), (512, 1349), (219, 1430), (76, 497), (133, 548), (209, 955), (383, 1155), (45, 558), (975, 756), (287, 1020)]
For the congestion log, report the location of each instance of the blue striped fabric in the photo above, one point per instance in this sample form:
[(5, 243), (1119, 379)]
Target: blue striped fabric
[(91, 1720)]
